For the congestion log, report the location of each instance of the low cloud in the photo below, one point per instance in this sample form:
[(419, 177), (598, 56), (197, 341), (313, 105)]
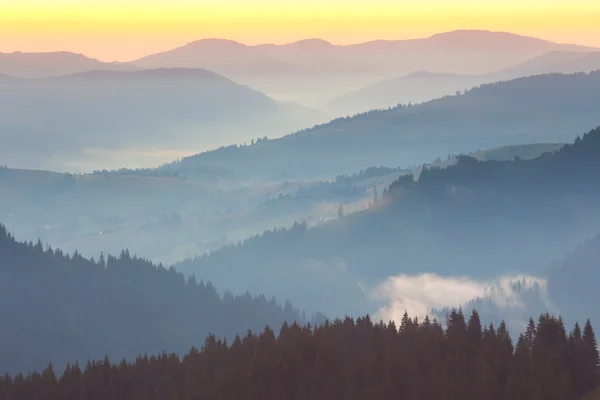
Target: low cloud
[(418, 294)]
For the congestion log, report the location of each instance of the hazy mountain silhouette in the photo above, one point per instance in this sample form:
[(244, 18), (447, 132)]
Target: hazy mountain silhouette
[(51, 121), (470, 51), (5, 77), (422, 85), (460, 52), (35, 65), (325, 70), (232, 58), (416, 87), (554, 62), (546, 108)]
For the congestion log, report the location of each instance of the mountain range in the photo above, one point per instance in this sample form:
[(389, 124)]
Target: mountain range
[(472, 52), (476, 219), (421, 86), (326, 70), (78, 122), (545, 108), (313, 71), (37, 65)]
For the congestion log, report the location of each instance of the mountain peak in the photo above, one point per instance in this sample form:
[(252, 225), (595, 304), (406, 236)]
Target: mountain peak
[(47, 54), (216, 42), (313, 42), (480, 34), (469, 33)]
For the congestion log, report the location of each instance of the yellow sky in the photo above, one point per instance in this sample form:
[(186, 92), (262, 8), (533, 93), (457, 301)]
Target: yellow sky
[(127, 29)]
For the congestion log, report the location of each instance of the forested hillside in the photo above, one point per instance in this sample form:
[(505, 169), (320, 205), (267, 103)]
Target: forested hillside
[(477, 219), (573, 281), (67, 308), (567, 286), (346, 359), (168, 218), (545, 108)]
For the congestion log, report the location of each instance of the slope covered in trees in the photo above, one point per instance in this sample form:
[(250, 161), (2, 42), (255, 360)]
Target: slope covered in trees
[(346, 359), (545, 108), (568, 286), (573, 281), (477, 219), (67, 308)]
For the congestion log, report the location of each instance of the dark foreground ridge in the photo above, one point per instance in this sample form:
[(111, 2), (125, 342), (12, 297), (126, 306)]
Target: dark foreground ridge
[(346, 359), (68, 308)]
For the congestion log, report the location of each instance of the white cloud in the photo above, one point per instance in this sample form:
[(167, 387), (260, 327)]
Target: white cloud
[(418, 294)]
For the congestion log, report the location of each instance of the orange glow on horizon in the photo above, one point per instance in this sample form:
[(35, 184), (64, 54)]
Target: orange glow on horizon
[(129, 29)]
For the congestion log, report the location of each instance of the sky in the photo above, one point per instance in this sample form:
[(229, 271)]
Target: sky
[(124, 30)]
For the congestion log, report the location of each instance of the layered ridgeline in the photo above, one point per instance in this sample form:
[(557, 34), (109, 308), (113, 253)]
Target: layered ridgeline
[(422, 86), (40, 65), (110, 119), (66, 308), (546, 108), (472, 51), (314, 71), (101, 212), (347, 359), (168, 218), (477, 219)]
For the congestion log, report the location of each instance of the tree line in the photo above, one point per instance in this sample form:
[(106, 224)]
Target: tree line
[(345, 359), (573, 166), (63, 307)]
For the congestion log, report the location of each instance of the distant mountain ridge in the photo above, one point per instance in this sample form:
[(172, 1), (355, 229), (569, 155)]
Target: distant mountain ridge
[(218, 55), (493, 115), (416, 87), (35, 65), (62, 118), (315, 71), (566, 62), (176, 73), (421, 86)]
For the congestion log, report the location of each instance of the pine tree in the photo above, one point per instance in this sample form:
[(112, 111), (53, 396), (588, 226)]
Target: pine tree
[(49, 382), (577, 362), (474, 328), (591, 356), (530, 334)]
